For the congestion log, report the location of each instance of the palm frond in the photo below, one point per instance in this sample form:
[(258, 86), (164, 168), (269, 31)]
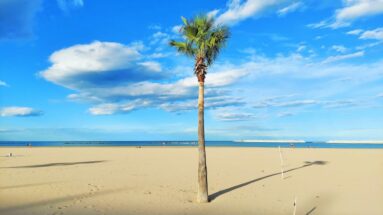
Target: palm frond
[(203, 39), (183, 47), (216, 41)]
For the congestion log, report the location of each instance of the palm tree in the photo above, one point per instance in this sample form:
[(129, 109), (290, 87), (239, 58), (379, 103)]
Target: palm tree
[(203, 41)]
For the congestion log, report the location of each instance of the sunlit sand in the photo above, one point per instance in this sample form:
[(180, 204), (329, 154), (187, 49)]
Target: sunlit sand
[(162, 180)]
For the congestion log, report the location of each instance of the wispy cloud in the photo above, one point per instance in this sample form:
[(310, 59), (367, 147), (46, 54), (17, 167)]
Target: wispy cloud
[(286, 104), (271, 103), (339, 48), (19, 111), (355, 9), (340, 104), (351, 11), (3, 84), (290, 8), (232, 116), (118, 79), (376, 34), (285, 114), (66, 5), (113, 108), (159, 37), (240, 10), (355, 32), (336, 58), (321, 24), (210, 103)]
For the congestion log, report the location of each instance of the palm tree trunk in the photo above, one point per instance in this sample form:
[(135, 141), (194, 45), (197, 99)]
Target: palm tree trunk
[(202, 169)]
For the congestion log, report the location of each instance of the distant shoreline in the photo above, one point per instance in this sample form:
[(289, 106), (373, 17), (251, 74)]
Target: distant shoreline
[(356, 141), (304, 141), (242, 143), (270, 141)]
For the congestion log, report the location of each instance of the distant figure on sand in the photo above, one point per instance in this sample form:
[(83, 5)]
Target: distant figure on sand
[(10, 154)]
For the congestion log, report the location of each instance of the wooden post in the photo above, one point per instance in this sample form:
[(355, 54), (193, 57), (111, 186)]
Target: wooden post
[(282, 164), (295, 206)]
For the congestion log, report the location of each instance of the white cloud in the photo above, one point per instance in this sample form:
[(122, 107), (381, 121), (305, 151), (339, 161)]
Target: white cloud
[(117, 79), (376, 34), (284, 103), (321, 24), (160, 38), (65, 5), (296, 103), (212, 13), (104, 109), (137, 45), (112, 108), (240, 10), (103, 62), (359, 8), (3, 84), (355, 32), (332, 59), (294, 75), (339, 48), (369, 45), (151, 65), (352, 10), (301, 48), (290, 8), (176, 29), (19, 111), (158, 55), (340, 104), (285, 114), (239, 82), (210, 103), (233, 116)]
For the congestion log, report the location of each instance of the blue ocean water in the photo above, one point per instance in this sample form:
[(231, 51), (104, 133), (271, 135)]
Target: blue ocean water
[(189, 143)]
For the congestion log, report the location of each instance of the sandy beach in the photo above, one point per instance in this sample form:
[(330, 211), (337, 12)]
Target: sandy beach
[(162, 180)]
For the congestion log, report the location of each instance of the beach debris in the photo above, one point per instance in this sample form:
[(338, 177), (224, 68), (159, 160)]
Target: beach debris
[(295, 205), (282, 163)]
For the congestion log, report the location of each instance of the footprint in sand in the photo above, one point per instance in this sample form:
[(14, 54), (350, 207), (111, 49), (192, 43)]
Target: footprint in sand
[(92, 189)]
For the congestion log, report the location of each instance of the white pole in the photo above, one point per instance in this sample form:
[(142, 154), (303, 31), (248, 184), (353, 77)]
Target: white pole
[(295, 205), (281, 158)]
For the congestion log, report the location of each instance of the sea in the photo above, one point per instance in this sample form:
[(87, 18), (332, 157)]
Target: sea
[(308, 144)]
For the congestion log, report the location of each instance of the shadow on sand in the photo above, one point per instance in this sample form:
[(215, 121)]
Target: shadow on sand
[(221, 192), (11, 209), (26, 185), (58, 164), (312, 210)]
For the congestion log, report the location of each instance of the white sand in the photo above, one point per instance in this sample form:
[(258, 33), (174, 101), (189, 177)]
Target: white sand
[(158, 180)]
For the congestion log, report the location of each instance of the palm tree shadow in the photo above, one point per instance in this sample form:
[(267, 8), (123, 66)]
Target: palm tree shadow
[(26, 185), (312, 210), (58, 164), (70, 198), (221, 192)]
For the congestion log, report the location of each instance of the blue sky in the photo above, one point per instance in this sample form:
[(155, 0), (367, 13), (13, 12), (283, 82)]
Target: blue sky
[(90, 70)]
